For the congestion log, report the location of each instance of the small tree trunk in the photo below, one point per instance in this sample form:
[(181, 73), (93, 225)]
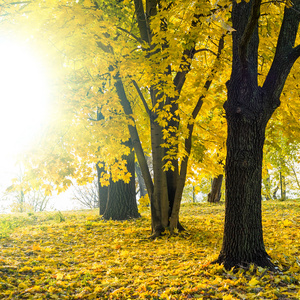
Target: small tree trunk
[(282, 187), (102, 191), (142, 185), (215, 194), (194, 195), (121, 203), (267, 184)]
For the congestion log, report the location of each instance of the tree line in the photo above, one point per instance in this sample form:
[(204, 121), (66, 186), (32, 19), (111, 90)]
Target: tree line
[(168, 82)]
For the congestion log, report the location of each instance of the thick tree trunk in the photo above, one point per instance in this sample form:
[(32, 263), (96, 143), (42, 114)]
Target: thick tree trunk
[(247, 115), (243, 237), (215, 193), (121, 203), (102, 191)]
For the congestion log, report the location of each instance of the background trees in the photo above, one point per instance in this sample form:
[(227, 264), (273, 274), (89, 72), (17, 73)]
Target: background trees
[(142, 73), (156, 71)]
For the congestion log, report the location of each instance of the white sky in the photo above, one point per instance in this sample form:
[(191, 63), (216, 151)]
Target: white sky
[(24, 101)]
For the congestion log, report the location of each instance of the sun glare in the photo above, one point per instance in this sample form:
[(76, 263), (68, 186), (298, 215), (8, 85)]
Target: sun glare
[(24, 96)]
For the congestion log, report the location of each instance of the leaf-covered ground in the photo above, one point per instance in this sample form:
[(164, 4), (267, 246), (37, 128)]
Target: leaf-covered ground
[(76, 255)]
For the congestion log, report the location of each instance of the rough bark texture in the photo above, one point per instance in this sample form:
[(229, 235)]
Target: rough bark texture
[(215, 193), (121, 203), (248, 109)]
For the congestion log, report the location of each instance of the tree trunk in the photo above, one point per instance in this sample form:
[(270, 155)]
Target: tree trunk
[(121, 204), (243, 236), (215, 194), (159, 200), (267, 185), (246, 122), (142, 185), (282, 187), (102, 191), (248, 109)]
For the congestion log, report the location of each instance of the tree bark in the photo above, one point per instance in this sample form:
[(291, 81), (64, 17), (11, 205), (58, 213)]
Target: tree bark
[(121, 203), (102, 191), (248, 109), (215, 193), (243, 236)]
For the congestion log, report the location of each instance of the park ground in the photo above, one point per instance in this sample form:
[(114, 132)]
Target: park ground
[(76, 255)]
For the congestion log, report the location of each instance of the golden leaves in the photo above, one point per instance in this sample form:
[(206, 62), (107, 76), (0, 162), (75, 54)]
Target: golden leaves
[(113, 260)]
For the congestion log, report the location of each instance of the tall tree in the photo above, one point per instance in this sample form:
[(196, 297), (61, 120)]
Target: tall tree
[(158, 62), (169, 166), (248, 110)]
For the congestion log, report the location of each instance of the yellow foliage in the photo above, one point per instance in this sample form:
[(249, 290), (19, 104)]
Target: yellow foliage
[(114, 260)]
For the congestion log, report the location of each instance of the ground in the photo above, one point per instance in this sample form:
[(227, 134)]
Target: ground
[(76, 255)]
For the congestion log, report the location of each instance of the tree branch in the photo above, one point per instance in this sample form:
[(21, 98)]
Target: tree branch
[(285, 56), (295, 53), (142, 97), (134, 135), (205, 49), (106, 49), (131, 34), (141, 20), (250, 27), (209, 80)]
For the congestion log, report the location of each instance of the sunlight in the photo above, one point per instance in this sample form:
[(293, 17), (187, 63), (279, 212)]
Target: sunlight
[(24, 96)]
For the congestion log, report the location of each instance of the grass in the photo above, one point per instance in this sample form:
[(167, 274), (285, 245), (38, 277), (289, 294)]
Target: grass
[(76, 255)]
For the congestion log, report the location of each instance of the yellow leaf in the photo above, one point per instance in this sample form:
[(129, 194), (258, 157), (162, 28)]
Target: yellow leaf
[(287, 222), (253, 282), (22, 286), (59, 276)]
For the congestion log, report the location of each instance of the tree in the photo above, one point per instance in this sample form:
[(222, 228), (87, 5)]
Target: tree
[(249, 107), (24, 197), (215, 193), (121, 202), (87, 195), (156, 69), (142, 187), (169, 165), (102, 190)]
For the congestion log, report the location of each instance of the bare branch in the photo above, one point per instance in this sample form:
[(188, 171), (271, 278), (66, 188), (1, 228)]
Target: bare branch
[(142, 97)]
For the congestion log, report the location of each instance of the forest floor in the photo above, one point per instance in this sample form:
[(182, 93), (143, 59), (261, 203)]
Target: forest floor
[(76, 255)]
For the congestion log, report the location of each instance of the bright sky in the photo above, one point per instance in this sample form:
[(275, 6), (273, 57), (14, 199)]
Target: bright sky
[(24, 97), (25, 93)]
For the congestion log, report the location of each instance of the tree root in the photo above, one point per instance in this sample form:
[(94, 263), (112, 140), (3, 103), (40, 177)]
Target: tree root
[(231, 263)]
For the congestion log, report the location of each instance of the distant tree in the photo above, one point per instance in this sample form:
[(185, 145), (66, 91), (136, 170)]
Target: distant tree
[(121, 202), (215, 193), (24, 197), (87, 195)]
